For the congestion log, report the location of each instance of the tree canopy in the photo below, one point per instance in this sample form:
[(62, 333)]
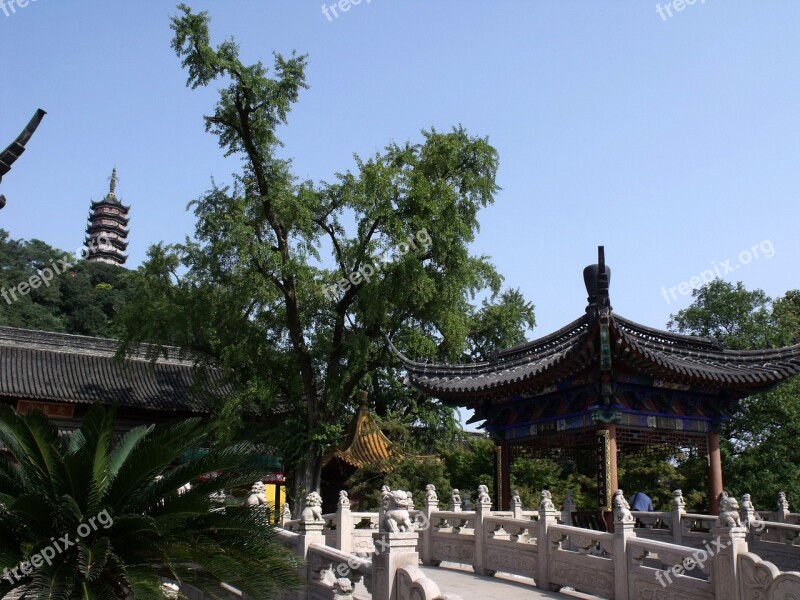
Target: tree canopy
[(292, 286), (760, 452)]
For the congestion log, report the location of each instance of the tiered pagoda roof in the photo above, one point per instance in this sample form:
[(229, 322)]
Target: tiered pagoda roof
[(598, 342), (107, 231)]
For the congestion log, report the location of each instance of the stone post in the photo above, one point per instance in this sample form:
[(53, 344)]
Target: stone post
[(782, 508), (311, 526), (548, 516), (516, 504), (483, 509), (344, 524), (624, 524), (730, 543), (392, 552), (782, 515), (678, 510), (286, 515), (729, 540), (569, 508), (455, 501), (385, 492), (395, 545), (430, 506)]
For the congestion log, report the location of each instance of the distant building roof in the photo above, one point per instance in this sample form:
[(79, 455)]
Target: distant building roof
[(57, 367)]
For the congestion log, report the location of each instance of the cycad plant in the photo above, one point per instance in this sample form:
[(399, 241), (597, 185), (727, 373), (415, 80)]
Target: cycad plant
[(91, 517)]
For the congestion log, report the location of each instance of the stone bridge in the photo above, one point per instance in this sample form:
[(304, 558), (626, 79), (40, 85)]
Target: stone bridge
[(394, 554)]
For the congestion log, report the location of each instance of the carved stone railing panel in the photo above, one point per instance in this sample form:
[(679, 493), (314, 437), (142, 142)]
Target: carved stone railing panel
[(413, 584), (457, 548), (762, 579), (649, 576), (581, 559)]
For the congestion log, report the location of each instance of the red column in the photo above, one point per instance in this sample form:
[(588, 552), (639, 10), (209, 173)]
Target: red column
[(612, 463), (505, 481), (714, 472)]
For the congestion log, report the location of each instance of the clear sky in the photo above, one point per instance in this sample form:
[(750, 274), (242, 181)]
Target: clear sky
[(674, 141)]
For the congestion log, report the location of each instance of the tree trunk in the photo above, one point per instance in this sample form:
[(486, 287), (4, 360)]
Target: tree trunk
[(306, 479)]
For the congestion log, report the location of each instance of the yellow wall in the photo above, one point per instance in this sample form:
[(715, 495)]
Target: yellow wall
[(276, 503)]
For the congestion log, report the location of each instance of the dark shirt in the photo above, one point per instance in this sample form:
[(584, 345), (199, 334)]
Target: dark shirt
[(641, 501)]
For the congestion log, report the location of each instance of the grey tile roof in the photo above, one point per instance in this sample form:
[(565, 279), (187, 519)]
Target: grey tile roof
[(45, 366)]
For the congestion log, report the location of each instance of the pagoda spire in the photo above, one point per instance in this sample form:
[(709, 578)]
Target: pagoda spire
[(112, 191), (107, 231)]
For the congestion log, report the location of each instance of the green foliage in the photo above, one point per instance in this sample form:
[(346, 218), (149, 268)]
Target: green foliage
[(253, 290), (143, 529), (469, 463), (462, 462), (83, 300), (760, 451), (532, 475)]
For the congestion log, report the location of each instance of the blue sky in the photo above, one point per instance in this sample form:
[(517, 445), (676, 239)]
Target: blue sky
[(674, 142)]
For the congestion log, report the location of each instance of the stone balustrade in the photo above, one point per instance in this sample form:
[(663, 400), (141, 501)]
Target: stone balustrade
[(649, 554)]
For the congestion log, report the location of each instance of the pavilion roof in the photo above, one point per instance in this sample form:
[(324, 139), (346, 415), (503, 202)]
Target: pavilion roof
[(365, 444), (574, 352)]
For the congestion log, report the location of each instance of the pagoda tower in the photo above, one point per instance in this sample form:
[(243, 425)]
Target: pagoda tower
[(107, 229)]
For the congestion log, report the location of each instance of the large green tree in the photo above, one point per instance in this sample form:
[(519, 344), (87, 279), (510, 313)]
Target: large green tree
[(292, 286), (760, 449)]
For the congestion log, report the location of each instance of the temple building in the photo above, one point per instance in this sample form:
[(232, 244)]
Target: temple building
[(604, 385), (107, 231)]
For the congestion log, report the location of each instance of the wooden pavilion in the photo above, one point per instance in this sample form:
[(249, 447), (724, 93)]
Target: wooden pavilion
[(603, 385)]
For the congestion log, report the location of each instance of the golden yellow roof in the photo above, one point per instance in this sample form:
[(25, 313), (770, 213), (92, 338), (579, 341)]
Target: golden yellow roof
[(366, 445)]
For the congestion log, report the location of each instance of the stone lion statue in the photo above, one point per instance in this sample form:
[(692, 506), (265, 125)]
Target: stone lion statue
[(622, 510), (728, 512), (430, 493), (258, 495), (455, 496), (396, 505), (313, 509), (783, 503), (483, 495), (343, 499), (546, 501), (677, 499)]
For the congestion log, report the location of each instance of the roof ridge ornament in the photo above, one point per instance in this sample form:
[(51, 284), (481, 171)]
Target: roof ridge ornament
[(597, 279)]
